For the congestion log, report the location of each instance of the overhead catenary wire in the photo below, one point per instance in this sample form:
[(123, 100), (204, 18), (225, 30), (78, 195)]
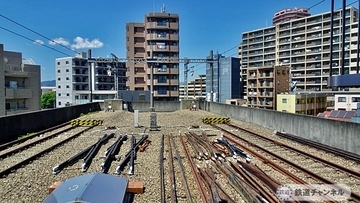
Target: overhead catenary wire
[(33, 41), (31, 30)]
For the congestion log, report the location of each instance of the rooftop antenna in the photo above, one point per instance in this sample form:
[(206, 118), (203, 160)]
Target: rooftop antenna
[(163, 9)]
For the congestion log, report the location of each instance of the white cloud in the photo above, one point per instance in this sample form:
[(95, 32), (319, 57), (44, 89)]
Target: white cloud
[(38, 41), (59, 40), (81, 43)]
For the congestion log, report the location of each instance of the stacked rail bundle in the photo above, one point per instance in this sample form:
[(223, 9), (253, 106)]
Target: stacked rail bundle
[(94, 150), (84, 153), (111, 152), (131, 153)]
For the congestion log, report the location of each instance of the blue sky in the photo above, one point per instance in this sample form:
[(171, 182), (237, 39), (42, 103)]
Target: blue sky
[(100, 25)]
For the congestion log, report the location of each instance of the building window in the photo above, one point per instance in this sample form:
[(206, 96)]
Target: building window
[(67, 70), (162, 68), (59, 79), (67, 94), (67, 78), (162, 79), (284, 111), (284, 100), (162, 90), (59, 86), (355, 99), (67, 86), (59, 94), (58, 63), (341, 99), (161, 22), (59, 103), (58, 71), (67, 62)]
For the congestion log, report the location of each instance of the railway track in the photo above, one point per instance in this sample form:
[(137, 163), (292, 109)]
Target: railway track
[(25, 154), (288, 157), (22, 140), (335, 151)]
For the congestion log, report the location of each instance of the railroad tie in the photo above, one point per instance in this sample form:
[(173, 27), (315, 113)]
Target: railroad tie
[(217, 120)]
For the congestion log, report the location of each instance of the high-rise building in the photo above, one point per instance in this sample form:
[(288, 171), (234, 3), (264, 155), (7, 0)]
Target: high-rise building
[(224, 79), (77, 79), (157, 37), (304, 45), (20, 90)]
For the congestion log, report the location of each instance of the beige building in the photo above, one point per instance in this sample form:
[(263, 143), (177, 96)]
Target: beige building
[(310, 103), (196, 89), (20, 90), (157, 37), (304, 45), (264, 83)]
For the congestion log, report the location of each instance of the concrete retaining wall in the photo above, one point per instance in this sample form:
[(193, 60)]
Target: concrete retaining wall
[(340, 134), (11, 127)]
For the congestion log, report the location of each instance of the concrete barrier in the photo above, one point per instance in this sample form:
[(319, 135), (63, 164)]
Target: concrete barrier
[(11, 127), (340, 134), (160, 106)]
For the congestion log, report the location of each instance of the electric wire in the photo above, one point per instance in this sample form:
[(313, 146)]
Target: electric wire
[(33, 41), (36, 32)]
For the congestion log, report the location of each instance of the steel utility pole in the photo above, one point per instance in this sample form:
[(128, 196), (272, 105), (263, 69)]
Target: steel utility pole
[(186, 70), (211, 77), (90, 62)]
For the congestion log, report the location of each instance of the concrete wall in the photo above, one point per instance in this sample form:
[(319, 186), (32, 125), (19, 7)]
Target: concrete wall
[(11, 127), (160, 106), (339, 134)]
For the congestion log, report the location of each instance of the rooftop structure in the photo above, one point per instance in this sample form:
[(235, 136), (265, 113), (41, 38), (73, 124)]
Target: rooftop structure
[(290, 14)]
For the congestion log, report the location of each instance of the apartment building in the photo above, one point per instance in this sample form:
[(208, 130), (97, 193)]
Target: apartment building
[(77, 79), (302, 103), (196, 89), (20, 90), (304, 45), (264, 83), (224, 79), (347, 102), (157, 37)]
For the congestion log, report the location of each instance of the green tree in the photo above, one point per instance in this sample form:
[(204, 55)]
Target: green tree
[(48, 100)]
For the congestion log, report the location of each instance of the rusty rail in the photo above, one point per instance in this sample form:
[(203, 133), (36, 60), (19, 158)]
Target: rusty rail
[(172, 171), (161, 163), (194, 170), (182, 170), (275, 166)]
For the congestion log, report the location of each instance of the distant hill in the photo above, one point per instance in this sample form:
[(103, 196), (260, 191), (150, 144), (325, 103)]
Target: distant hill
[(50, 83)]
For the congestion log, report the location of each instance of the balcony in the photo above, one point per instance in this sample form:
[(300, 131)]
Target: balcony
[(166, 93), (16, 72), (163, 71), (266, 94), (18, 93), (164, 82)]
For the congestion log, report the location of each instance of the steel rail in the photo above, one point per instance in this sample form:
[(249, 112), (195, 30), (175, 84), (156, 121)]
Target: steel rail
[(33, 157), (161, 163), (182, 170), (172, 171), (11, 143), (195, 146), (128, 155), (329, 163), (194, 171), (34, 142), (327, 148), (278, 168), (246, 191), (249, 178)]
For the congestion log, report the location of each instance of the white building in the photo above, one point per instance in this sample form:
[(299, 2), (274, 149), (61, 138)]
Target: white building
[(346, 102)]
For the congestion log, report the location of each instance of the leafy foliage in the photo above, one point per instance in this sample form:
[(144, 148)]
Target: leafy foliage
[(48, 100)]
